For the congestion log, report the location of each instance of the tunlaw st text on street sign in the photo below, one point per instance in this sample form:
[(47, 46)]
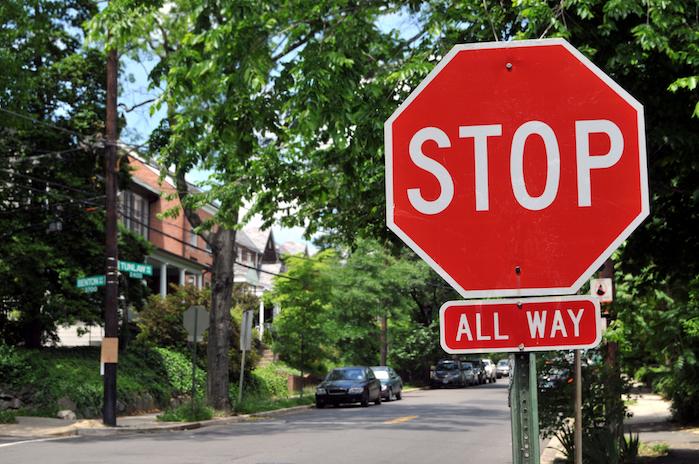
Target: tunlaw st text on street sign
[(516, 168), (528, 324), (90, 284), (136, 270)]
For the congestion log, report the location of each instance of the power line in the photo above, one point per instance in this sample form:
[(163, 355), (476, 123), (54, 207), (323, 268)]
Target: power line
[(48, 182), (43, 123), (179, 240)]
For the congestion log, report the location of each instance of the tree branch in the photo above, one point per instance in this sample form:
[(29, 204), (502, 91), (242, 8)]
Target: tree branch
[(129, 109)]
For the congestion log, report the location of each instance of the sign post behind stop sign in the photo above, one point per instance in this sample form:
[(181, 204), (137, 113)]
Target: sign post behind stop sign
[(516, 168)]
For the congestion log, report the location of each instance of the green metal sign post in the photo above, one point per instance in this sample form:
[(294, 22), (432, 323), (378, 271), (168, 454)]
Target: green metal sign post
[(524, 410)]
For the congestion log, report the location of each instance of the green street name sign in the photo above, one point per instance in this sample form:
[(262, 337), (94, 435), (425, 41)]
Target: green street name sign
[(90, 284), (136, 270)]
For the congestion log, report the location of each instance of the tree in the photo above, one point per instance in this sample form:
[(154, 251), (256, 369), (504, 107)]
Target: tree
[(50, 201), (252, 42), (303, 334)]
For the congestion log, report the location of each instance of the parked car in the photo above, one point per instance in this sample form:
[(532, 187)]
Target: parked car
[(451, 372), (478, 370), (503, 368), (490, 374), (356, 384), (469, 373), (391, 383)]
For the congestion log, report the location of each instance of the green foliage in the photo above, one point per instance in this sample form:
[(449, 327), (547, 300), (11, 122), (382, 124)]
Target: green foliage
[(73, 373), (178, 369), (258, 403), (160, 321), (272, 380), (8, 417), (189, 411), (13, 366), (413, 350), (301, 331)]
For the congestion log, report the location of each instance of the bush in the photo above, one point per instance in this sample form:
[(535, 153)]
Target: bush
[(160, 321), (8, 417), (188, 412), (13, 366), (272, 380), (178, 369)]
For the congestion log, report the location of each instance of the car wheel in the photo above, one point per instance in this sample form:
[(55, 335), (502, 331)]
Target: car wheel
[(399, 395), (377, 402), (320, 404), (365, 400)]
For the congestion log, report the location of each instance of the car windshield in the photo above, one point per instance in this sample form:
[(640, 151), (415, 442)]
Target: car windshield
[(447, 366), (503, 362), (346, 374), (467, 366), (381, 374)]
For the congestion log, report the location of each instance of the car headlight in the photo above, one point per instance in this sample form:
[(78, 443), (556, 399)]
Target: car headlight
[(321, 391), (356, 390), (384, 387)]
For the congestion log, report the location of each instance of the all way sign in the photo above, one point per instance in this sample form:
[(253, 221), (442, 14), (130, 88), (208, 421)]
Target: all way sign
[(528, 324)]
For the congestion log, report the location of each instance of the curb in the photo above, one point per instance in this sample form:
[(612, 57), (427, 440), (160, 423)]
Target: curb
[(180, 426)]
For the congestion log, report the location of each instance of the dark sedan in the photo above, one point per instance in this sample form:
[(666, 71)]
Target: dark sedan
[(349, 385), (391, 383)]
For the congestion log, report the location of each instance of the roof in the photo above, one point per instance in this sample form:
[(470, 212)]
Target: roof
[(243, 239)]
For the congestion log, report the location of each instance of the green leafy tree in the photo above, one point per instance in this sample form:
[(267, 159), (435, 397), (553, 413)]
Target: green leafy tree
[(303, 334), (51, 192)]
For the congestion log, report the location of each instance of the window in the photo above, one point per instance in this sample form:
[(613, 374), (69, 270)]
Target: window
[(192, 237), (134, 211)]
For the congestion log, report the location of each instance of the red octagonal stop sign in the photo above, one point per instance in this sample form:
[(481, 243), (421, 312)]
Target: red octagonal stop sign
[(516, 168)]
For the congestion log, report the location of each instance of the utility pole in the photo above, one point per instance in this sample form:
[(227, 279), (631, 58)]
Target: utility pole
[(111, 324)]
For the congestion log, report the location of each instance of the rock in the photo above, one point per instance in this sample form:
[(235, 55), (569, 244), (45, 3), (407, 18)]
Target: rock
[(66, 414), (16, 403), (66, 403)]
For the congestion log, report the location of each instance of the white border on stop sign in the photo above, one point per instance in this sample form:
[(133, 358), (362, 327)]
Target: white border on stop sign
[(599, 320), (585, 276)]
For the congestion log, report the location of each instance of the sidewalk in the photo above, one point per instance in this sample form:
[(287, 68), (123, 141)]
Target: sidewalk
[(651, 420), (46, 427)]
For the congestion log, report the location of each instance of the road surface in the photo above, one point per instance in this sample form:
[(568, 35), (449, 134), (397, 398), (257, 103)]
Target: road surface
[(468, 425)]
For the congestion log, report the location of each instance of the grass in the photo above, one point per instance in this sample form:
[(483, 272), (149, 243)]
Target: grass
[(8, 417), (654, 450), (255, 403), (186, 413)]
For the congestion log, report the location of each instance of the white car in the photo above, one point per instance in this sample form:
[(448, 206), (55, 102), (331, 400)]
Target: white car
[(490, 371), (503, 368)]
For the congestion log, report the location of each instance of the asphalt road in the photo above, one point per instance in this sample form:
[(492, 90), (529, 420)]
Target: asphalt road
[(468, 425)]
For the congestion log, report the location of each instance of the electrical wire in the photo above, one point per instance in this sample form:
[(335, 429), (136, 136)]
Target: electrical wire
[(179, 240)]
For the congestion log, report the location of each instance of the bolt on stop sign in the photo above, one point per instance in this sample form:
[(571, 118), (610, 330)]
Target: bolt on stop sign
[(516, 168)]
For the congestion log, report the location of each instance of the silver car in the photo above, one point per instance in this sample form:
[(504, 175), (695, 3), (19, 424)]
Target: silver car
[(502, 368)]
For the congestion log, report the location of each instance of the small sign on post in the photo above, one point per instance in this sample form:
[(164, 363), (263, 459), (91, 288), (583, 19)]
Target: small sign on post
[(602, 289), (196, 321), (245, 345), (90, 284), (136, 270)]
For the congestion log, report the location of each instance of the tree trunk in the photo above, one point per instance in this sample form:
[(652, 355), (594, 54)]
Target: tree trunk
[(384, 340), (218, 346), (222, 243)]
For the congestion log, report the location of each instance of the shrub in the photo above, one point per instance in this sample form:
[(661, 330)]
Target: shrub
[(178, 369), (13, 366), (8, 417), (190, 411)]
